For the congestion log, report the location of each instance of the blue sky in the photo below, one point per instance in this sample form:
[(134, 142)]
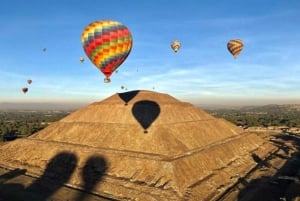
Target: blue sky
[(201, 72)]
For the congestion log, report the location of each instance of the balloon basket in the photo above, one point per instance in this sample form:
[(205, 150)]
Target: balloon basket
[(106, 80)]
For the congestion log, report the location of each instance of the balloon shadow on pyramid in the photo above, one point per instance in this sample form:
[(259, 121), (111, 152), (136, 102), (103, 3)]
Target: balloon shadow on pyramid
[(145, 112), (127, 96), (56, 175)]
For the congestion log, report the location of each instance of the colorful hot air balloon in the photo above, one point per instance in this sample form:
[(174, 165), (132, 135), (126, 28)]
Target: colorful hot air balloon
[(175, 45), (24, 89), (107, 44), (29, 81), (235, 46), (81, 59)]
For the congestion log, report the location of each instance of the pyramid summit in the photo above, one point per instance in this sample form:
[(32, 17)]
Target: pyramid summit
[(141, 145)]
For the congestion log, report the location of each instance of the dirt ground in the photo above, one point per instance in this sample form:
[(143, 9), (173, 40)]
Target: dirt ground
[(275, 179)]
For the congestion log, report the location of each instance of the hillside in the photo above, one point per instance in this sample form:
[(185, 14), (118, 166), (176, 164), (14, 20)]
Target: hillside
[(140, 145)]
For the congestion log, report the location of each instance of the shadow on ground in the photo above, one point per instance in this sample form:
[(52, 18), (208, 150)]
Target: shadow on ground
[(57, 173), (285, 184)]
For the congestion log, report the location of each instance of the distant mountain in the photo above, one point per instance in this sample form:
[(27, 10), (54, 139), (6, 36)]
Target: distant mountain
[(254, 108), (271, 107), (40, 106)]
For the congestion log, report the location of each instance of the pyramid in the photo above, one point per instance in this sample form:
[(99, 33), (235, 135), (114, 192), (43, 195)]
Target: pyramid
[(140, 145)]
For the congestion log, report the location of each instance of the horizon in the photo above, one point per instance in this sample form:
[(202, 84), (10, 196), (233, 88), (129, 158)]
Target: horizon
[(74, 105), (202, 71)]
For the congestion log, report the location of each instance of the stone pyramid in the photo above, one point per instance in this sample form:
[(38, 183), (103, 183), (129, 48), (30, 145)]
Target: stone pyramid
[(140, 145)]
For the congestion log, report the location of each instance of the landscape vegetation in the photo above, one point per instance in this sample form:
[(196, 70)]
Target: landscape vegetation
[(23, 123)]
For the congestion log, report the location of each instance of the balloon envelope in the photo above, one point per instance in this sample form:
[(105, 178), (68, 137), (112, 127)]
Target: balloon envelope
[(29, 81), (24, 89), (175, 45), (235, 46), (81, 59), (107, 44)]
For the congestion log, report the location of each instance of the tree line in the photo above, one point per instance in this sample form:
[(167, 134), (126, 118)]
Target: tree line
[(264, 116), (14, 124)]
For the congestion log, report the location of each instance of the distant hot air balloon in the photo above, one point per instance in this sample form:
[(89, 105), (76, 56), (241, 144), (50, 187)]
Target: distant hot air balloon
[(29, 81), (235, 46), (24, 89), (107, 44), (81, 59), (122, 87), (175, 45), (44, 49)]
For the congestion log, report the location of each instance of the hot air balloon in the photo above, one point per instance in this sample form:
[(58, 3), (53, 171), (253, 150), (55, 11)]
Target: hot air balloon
[(175, 45), (81, 59), (235, 46), (24, 89), (29, 81), (44, 49), (107, 44), (122, 87)]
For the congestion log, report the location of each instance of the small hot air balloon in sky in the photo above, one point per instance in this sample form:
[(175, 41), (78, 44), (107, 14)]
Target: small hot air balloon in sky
[(29, 81), (81, 59), (107, 44), (24, 89), (235, 46), (122, 87), (175, 45), (44, 49)]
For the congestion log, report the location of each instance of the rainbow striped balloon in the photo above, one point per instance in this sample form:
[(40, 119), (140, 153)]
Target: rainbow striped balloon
[(107, 44), (235, 46)]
